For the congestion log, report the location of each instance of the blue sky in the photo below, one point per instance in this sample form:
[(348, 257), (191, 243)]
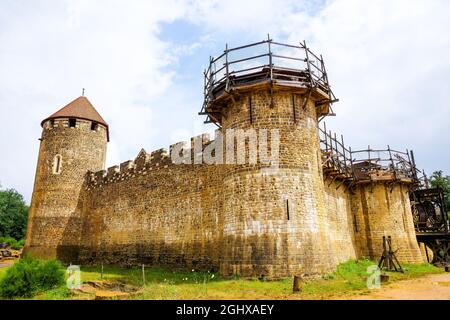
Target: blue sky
[(141, 63)]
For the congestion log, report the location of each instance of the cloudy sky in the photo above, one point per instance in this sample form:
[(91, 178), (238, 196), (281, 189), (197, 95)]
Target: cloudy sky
[(141, 63)]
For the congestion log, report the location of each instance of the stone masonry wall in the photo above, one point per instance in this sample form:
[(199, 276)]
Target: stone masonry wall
[(342, 222), (254, 220), (54, 227), (275, 221), (383, 209), (153, 211), (265, 219)]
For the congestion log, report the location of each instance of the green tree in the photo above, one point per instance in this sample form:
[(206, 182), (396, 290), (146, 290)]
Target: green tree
[(13, 214), (438, 179)]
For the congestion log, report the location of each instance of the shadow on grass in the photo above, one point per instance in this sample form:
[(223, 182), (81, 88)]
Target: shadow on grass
[(134, 275)]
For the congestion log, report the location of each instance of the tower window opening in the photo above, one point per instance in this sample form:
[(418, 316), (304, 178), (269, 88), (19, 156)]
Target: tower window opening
[(57, 164), (250, 109), (72, 123), (287, 209), (94, 126), (52, 123)]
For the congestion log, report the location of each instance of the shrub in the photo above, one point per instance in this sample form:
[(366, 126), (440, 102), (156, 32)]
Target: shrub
[(21, 242), (13, 243), (29, 276)]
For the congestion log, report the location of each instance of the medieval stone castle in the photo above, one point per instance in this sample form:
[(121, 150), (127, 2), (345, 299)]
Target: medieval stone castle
[(317, 206)]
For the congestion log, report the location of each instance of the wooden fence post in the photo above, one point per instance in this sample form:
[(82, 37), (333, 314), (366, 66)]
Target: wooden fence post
[(143, 274), (296, 286)]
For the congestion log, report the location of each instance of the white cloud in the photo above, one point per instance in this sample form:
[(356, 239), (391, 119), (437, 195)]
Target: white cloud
[(50, 51), (389, 63)]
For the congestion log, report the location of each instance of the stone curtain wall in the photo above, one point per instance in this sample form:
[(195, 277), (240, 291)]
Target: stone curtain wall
[(267, 220), (54, 227), (341, 221), (155, 212), (384, 209), (358, 221), (255, 220), (229, 217)]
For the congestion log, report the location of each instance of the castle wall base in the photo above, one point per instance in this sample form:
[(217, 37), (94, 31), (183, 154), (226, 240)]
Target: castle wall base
[(383, 209)]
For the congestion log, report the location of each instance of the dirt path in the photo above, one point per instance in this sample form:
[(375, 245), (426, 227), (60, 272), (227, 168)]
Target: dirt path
[(431, 287), (7, 263)]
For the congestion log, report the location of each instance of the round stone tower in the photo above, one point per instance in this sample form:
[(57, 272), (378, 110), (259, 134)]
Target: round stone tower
[(73, 141), (274, 216)]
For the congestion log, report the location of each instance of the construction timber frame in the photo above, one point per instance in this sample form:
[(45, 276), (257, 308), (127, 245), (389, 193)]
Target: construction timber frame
[(431, 223), (261, 63), (349, 167), (353, 167)]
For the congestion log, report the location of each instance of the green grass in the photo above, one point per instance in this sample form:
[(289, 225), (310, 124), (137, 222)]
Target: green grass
[(349, 279), (15, 244), (59, 293), (3, 271), (161, 283)]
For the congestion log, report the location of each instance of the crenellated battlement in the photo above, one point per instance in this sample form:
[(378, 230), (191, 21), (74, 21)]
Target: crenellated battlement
[(78, 124), (73, 126), (156, 160)]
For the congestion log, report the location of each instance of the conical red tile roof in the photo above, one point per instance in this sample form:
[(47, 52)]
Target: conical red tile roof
[(80, 108)]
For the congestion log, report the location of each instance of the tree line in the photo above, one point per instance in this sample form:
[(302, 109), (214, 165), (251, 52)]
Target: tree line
[(13, 214), (439, 180)]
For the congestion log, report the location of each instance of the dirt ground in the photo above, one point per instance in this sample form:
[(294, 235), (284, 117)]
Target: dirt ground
[(430, 287), (6, 263)]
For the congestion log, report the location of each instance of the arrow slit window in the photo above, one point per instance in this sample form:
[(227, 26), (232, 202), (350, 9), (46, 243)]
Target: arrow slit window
[(57, 164)]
